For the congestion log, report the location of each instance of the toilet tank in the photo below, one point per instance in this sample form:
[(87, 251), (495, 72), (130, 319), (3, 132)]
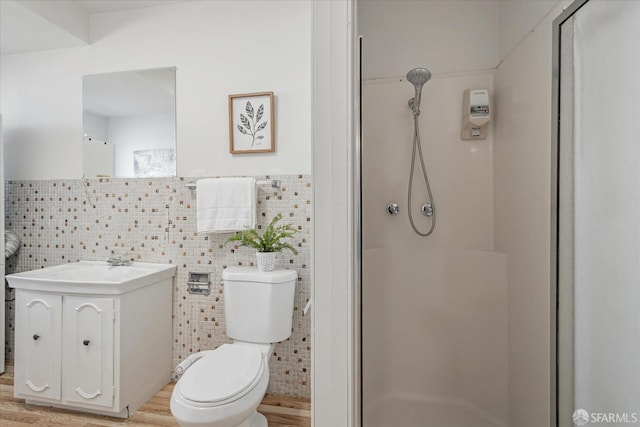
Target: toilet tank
[(258, 304)]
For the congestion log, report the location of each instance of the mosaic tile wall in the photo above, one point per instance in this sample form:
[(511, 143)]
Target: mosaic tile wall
[(153, 220)]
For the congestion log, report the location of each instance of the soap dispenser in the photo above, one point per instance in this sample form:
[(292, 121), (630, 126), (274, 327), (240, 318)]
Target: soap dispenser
[(476, 114)]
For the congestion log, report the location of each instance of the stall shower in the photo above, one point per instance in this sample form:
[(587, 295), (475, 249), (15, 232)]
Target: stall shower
[(434, 308), (458, 324), (434, 298)]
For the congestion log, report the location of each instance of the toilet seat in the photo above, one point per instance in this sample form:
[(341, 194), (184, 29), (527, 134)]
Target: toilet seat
[(222, 376)]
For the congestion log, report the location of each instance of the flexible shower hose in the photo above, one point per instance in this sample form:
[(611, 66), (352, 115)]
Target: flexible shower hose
[(417, 145)]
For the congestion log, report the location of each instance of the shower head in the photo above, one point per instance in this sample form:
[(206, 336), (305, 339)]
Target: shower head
[(418, 77)]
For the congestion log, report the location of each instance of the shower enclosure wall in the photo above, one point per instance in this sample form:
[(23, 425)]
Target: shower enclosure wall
[(434, 327), (456, 326), (434, 315)]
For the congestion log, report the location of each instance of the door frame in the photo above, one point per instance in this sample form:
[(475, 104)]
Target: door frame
[(561, 320), (335, 313)]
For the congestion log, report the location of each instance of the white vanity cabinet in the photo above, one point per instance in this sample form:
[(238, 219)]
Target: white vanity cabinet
[(93, 347), (38, 346), (87, 350), (69, 334)]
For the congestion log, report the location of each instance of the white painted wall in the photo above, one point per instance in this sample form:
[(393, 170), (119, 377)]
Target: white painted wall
[(522, 206), (441, 35), (219, 48), (517, 18)]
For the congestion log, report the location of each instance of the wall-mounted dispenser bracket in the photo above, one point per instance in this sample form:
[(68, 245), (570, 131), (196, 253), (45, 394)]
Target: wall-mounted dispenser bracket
[(476, 114), (199, 283)]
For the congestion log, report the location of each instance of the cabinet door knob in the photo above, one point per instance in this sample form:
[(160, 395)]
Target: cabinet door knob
[(35, 337), (85, 342)]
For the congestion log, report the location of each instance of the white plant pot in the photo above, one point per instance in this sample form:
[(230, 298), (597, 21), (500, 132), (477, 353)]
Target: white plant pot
[(266, 261)]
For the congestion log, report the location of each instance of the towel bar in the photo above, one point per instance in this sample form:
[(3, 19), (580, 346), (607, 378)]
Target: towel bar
[(275, 183)]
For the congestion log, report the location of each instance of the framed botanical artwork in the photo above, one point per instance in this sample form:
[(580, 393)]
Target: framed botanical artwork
[(251, 127)]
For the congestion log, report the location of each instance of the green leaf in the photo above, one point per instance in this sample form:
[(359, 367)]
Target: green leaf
[(271, 239)]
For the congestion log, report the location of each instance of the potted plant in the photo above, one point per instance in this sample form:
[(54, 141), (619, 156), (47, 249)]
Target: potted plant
[(269, 244)]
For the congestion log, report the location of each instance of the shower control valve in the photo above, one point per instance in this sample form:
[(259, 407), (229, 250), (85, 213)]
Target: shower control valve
[(427, 209), (393, 209)]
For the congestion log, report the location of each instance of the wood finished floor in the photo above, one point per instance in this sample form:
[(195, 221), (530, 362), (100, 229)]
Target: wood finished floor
[(281, 411)]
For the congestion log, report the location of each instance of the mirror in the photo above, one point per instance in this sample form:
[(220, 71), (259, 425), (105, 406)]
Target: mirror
[(129, 122)]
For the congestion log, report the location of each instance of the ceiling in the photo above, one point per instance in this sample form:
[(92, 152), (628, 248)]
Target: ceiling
[(100, 6), (34, 25)]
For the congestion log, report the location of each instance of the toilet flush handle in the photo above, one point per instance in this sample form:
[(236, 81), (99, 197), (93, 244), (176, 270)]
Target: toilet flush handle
[(306, 308), (186, 363)]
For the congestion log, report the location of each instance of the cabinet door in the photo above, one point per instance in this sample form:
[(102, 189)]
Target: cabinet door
[(88, 350), (37, 341)]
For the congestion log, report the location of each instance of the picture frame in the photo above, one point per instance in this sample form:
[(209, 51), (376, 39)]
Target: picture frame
[(251, 123)]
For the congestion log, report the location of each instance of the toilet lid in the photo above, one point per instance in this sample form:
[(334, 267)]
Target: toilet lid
[(222, 374)]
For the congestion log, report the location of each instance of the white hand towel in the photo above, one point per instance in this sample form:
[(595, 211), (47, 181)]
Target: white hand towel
[(225, 205)]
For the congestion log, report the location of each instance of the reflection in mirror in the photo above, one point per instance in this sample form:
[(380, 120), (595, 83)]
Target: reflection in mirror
[(129, 121)]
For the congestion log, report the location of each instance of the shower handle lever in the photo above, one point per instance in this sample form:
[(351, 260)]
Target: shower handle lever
[(393, 209), (427, 209)]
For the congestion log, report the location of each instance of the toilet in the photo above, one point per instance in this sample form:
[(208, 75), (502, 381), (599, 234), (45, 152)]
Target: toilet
[(223, 387)]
